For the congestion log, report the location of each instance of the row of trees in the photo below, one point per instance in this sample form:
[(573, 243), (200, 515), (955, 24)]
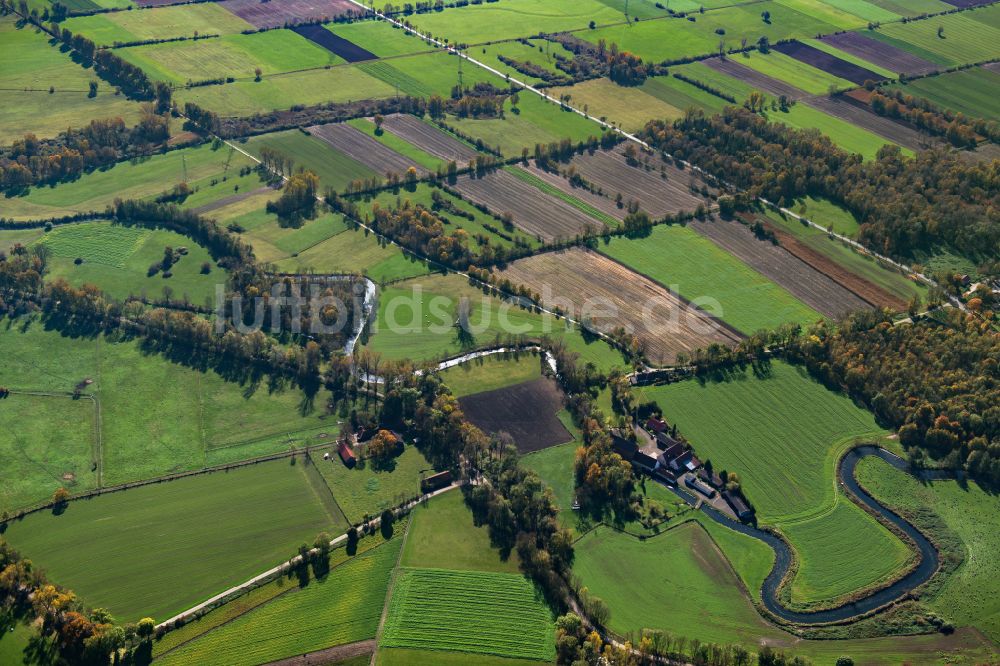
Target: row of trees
[(906, 206), (32, 161), (956, 128)]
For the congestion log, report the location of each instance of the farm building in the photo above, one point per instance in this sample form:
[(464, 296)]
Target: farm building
[(435, 481), (665, 441), (347, 454), (711, 479), (644, 461), (693, 483), (626, 448), (738, 505), (656, 425)]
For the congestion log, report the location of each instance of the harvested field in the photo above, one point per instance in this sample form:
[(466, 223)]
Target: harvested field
[(359, 146), (808, 284), (857, 285), (335, 44), (604, 204), (656, 194), (591, 286), (232, 199), (429, 139), (754, 78), (827, 62), (880, 53), (277, 14), (527, 412), (531, 209), (861, 116)]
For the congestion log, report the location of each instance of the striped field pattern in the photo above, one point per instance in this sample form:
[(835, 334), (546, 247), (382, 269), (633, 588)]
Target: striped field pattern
[(469, 611)]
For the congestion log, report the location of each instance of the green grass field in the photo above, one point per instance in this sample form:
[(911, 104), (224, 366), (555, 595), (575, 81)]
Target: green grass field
[(416, 320), (515, 18), (158, 23), (969, 596), (14, 643), (673, 38), (334, 168), (868, 11), (31, 66), (540, 54), (490, 373), (828, 214), (126, 551), (344, 607), (355, 251), (687, 588), (398, 144), (795, 72), (841, 552), (844, 14), (969, 91), (850, 137), (539, 121), (781, 434), (137, 179), (472, 611), (49, 442), (442, 536), (699, 270), (273, 242), (157, 417), (381, 38), (117, 259), (964, 38), (341, 83), (274, 52), (366, 490)]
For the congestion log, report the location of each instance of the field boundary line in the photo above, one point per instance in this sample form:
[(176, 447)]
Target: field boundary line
[(284, 566), (390, 588), (326, 485), (281, 594)]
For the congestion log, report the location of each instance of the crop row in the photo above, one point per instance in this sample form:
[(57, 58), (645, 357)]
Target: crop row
[(489, 613)]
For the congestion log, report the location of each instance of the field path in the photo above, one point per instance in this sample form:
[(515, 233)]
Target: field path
[(332, 655)]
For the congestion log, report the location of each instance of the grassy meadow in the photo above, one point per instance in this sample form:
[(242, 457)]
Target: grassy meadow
[(342, 607), (117, 260), (367, 489), (108, 551), (699, 270), (135, 179), (159, 23), (416, 320), (334, 168), (969, 91), (490, 373), (442, 536), (157, 417), (49, 442), (953, 511)]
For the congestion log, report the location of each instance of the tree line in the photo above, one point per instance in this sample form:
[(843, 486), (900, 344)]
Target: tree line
[(905, 205)]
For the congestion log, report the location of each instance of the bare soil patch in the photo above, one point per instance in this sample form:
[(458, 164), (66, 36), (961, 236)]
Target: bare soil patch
[(602, 203), (591, 287), (429, 139), (857, 285), (356, 144), (527, 412), (335, 44), (798, 277), (330, 655), (660, 187), (880, 53), (827, 62), (531, 209), (768, 84), (278, 13)]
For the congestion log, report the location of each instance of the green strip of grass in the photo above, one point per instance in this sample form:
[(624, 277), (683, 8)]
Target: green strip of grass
[(398, 144), (537, 182)]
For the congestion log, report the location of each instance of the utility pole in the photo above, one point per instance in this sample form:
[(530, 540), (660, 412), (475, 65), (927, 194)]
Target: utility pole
[(184, 168), (461, 86)]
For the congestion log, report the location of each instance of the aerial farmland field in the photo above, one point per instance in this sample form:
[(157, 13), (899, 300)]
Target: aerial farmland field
[(683, 332)]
